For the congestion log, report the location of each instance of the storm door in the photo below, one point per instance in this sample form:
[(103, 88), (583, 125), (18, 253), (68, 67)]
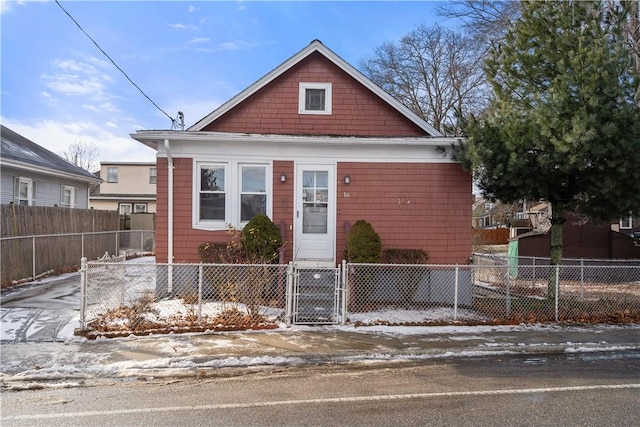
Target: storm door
[(315, 213)]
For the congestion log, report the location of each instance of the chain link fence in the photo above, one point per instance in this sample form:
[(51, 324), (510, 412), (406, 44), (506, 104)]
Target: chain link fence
[(136, 297), (29, 257)]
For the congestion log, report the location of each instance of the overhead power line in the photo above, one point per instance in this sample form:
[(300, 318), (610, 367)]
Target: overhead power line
[(113, 62)]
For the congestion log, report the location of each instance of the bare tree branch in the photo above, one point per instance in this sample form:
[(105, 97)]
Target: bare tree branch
[(435, 72), (84, 155)]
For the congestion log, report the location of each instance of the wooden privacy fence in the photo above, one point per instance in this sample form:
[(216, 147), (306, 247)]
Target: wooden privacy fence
[(29, 257), (43, 238), (18, 220), (490, 236)]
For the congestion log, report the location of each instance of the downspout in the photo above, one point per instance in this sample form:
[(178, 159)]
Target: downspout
[(169, 216)]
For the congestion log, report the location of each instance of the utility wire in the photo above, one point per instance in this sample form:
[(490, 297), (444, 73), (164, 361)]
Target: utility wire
[(113, 62)]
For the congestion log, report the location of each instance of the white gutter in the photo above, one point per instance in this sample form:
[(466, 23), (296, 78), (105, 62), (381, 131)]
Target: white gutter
[(169, 214)]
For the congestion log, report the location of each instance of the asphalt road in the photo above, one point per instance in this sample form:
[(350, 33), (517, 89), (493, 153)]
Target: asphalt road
[(597, 389)]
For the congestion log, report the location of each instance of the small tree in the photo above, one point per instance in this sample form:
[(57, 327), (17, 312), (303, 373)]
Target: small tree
[(262, 240), (563, 125), (363, 243)]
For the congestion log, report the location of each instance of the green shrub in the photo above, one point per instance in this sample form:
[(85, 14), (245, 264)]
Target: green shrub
[(404, 256), (407, 278), (262, 240), (363, 243)]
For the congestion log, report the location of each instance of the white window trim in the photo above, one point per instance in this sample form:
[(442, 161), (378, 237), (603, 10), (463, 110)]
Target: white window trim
[(135, 208), (630, 218), (72, 196), (117, 175), (232, 192), (30, 198), (268, 178), (153, 175), (303, 86), (120, 205)]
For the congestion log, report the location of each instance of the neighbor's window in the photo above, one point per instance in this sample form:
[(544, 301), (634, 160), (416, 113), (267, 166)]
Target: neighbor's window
[(68, 197), (153, 175), (125, 209), (626, 222), (212, 193), (253, 191), (140, 208), (25, 192), (112, 174), (314, 98)]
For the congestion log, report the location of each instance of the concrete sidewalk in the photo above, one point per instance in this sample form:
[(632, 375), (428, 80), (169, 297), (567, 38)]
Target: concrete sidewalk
[(79, 360)]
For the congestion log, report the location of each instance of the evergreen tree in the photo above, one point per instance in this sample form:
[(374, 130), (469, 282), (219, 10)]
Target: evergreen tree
[(563, 125)]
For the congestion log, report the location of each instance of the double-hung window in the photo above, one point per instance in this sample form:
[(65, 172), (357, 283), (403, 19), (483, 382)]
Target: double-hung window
[(212, 193), (24, 191), (230, 193), (253, 191), (68, 199), (112, 175)]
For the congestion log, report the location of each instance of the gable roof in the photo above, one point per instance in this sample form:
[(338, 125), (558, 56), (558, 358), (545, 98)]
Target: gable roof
[(20, 152), (316, 46)]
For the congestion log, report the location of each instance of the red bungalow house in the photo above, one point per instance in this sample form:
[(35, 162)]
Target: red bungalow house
[(316, 146)]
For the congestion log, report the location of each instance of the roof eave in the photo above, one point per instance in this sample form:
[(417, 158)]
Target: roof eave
[(154, 138), (49, 171)]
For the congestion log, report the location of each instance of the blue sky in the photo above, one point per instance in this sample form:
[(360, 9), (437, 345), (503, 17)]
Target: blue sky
[(190, 56)]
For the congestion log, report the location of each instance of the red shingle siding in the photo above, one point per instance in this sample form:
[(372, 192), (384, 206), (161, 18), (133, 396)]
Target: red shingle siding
[(356, 111), (424, 206), (186, 240), (283, 203), (161, 210)]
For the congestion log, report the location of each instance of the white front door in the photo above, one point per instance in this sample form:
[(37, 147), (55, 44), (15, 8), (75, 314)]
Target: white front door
[(315, 218)]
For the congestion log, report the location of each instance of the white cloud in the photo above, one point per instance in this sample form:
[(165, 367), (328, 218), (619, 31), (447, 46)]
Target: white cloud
[(78, 78), (195, 40), (192, 9), (9, 5)]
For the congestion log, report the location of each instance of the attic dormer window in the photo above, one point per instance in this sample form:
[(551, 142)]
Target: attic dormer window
[(315, 98)]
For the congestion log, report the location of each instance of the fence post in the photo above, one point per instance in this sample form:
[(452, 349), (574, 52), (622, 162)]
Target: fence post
[(455, 295), (533, 272), (343, 308), (200, 271), (581, 278), (83, 293), (508, 294), (117, 252), (82, 244), (557, 288), (289, 295), (33, 257), (141, 241)]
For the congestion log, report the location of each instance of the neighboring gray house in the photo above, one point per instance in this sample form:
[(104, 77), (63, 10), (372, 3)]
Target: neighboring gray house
[(32, 175)]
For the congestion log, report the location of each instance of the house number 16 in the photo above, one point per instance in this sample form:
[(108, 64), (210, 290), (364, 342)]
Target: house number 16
[(346, 194)]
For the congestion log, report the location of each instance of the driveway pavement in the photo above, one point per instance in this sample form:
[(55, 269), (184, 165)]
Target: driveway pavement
[(42, 311)]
